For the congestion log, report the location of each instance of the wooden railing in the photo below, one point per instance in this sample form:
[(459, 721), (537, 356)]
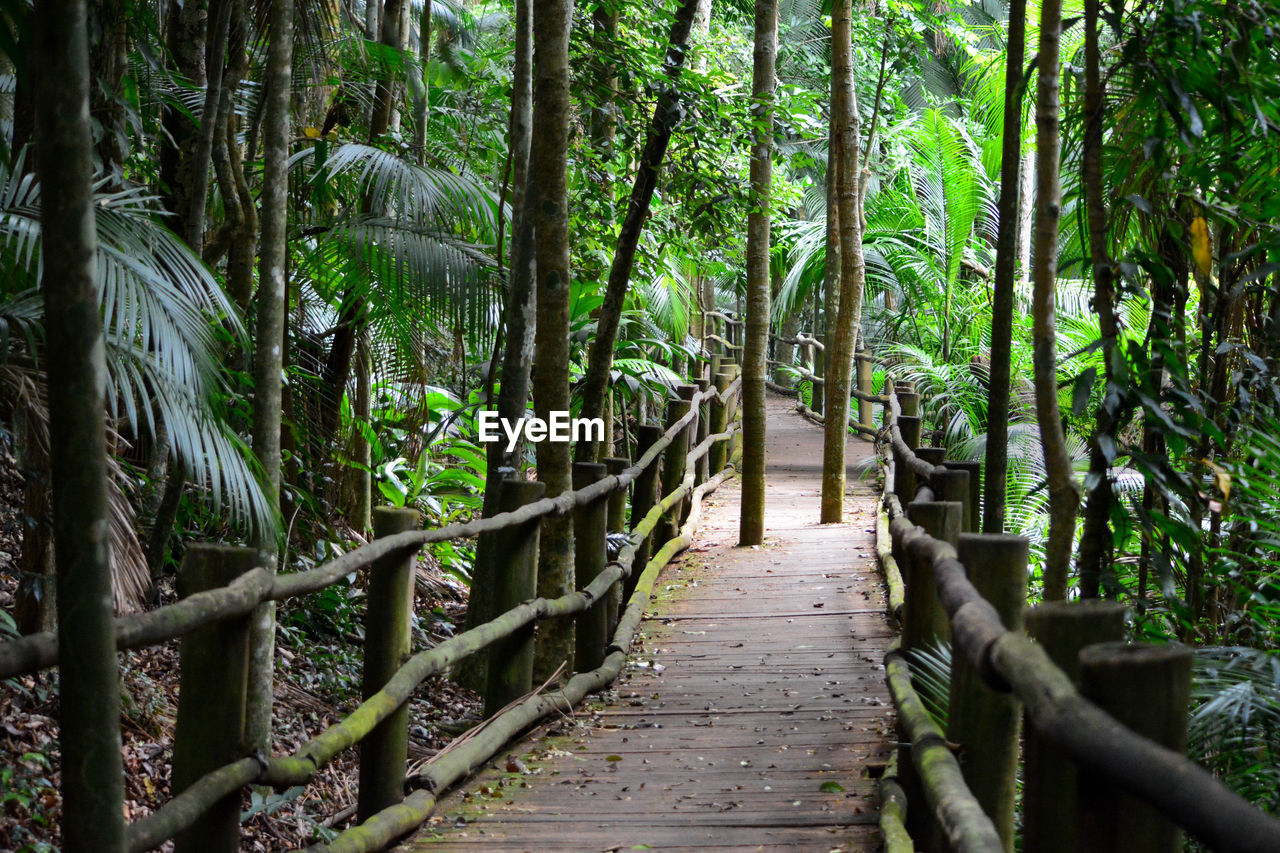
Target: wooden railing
[(1103, 767), (221, 586)]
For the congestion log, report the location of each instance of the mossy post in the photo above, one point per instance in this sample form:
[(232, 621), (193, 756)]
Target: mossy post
[(385, 750), (951, 484), (819, 370), (510, 675), (617, 523), (1049, 777), (673, 464), (865, 374), (687, 393), (983, 722), (644, 494), (910, 402), (211, 698), (932, 455), (719, 452), (590, 525), (924, 620), (703, 472), (1146, 687), (973, 512), (904, 482)]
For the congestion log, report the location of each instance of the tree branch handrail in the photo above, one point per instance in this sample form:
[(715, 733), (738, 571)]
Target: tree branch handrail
[(40, 651), (1182, 791), (299, 767)]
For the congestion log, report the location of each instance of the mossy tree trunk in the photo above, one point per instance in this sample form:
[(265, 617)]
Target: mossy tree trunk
[(269, 348), (1064, 491), (548, 160), (74, 358), (756, 339), (843, 338)]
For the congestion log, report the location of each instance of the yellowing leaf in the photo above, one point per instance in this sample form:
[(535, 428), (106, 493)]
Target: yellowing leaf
[(311, 132), (1200, 248)]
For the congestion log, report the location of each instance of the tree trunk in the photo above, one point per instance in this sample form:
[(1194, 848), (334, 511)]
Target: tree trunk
[(997, 461), (1095, 539), (665, 114), (756, 334), (418, 85), (186, 31), (89, 680), (548, 161), (268, 361), (844, 338), (1064, 491)]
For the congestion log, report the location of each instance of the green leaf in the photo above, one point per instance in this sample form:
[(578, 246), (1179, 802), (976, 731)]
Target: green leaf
[(831, 788)]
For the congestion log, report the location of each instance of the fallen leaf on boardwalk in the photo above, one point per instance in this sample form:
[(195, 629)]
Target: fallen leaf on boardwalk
[(613, 758), (831, 788)]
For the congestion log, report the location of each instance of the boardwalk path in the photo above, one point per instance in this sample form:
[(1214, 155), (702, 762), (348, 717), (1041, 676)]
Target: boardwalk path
[(754, 715)]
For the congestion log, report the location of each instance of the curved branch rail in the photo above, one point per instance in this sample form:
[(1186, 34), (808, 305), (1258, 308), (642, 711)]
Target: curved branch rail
[(1007, 661)]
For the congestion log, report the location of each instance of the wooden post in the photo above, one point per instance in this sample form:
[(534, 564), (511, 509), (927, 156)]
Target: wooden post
[(1049, 777), (719, 453), (904, 482), (384, 752), (866, 410), (211, 700), (617, 524), (673, 465), (590, 524), (924, 620), (932, 455), (819, 370), (950, 484), (1147, 688), (983, 722), (643, 497), (910, 403), (703, 472), (974, 510), (510, 673)]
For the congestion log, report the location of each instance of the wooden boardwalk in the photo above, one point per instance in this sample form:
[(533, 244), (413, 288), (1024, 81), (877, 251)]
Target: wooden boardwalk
[(754, 714)]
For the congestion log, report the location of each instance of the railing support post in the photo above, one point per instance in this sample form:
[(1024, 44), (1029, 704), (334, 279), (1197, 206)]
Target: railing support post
[(953, 485), (1049, 777), (973, 510), (590, 525), (643, 497), (1147, 688), (818, 395), (385, 750), (617, 524), (703, 469), (910, 403), (719, 423), (211, 701), (866, 411), (924, 620), (985, 723), (932, 455), (673, 466), (904, 482), (510, 673)]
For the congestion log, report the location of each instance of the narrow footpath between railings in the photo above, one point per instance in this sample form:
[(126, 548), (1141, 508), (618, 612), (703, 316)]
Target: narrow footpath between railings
[(754, 712)]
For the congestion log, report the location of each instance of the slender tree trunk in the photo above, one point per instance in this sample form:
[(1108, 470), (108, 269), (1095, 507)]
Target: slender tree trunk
[(518, 316), (419, 86), (89, 685), (1064, 491), (997, 462), (665, 113), (268, 361), (844, 338), (756, 335), (395, 36), (186, 32), (1095, 539), (548, 161)]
